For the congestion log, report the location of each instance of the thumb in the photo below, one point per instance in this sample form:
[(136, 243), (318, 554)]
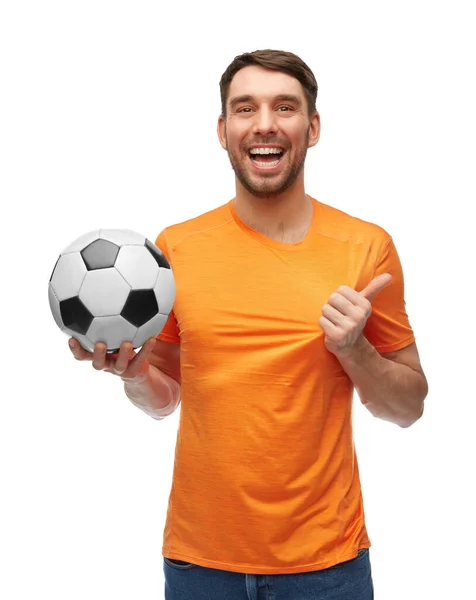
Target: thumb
[(376, 285)]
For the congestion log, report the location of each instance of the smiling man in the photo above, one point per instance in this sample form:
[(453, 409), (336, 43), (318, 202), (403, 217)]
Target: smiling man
[(284, 306), (277, 329)]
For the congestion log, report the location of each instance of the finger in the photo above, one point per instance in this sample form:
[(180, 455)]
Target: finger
[(124, 356), (350, 304), (78, 351), (328, 326), (345, 300), (376, 285), (99, 356), (137, 362), (333, 315)]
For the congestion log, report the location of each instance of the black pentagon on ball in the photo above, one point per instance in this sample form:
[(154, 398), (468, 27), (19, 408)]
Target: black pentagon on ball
[(75, 315), (157, 254), (140, 307), (100, 254)]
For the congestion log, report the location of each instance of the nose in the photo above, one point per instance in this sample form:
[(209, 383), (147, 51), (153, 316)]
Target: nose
[(264, 121)]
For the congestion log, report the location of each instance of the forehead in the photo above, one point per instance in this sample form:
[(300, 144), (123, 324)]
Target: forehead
[(263, 83)]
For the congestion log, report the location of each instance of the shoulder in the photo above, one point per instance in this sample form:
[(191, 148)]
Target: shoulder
[(173, 234), (341, 225)]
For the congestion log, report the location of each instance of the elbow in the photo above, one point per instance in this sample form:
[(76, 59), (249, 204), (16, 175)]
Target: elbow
[(411, 421), (417, 415), (161, 413)]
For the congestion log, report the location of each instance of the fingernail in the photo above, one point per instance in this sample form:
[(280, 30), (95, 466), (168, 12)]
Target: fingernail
[(71, 344)]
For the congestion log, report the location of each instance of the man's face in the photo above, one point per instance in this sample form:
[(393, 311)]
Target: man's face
[(267, 130)]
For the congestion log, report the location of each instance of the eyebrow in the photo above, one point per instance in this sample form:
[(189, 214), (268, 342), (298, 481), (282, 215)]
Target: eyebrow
[(280, 98)]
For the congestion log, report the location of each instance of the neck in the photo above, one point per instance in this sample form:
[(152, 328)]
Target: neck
[(286, 213)]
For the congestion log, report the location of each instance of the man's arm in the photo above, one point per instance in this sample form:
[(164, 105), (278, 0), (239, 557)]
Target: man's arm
[(391, 386)]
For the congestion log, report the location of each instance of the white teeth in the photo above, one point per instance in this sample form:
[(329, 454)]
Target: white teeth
[(266, 151), (273, 163)]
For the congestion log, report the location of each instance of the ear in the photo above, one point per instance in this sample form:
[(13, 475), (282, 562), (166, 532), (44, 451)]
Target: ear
[(221, 131), (314, 129)]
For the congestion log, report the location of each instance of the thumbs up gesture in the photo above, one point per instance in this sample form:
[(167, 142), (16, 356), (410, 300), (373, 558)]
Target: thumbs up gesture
[(345, 314)]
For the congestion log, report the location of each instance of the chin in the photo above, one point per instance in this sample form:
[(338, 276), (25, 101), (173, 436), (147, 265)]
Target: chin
[(266, 193), (269, 189)]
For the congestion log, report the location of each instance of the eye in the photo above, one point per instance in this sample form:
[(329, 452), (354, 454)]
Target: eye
[(284, 108), (244, 109)]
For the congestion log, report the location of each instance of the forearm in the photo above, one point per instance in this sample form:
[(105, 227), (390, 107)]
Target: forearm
[(157, 394), (389, 390)]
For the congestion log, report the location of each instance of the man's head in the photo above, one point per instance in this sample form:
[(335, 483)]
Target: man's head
[(274, 60), (268, 119)]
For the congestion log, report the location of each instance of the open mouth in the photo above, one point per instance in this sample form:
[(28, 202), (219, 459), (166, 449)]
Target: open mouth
[(266, 158)]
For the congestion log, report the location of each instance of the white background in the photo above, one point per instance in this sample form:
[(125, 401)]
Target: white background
[(108, 119)]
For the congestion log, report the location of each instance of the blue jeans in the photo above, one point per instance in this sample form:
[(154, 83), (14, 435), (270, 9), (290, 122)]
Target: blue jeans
[(349, 580)]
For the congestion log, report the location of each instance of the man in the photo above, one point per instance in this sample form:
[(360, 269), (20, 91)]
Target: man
[(283, 306)]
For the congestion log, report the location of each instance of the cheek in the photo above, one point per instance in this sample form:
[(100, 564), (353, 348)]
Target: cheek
[(297, 138), (297, 134), (234, 142)]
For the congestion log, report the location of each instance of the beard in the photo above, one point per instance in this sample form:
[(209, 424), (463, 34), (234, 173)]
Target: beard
[(262, 186)]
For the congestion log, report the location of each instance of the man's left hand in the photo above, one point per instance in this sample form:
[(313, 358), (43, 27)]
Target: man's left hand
[(345, 314)]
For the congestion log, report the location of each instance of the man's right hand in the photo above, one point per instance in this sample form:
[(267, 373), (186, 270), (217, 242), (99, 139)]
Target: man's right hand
[(126, 363)]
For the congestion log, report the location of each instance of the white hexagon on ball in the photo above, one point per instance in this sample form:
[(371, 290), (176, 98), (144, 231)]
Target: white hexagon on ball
[(165, 291), (104, 292), (112, 331), (138, 267), (68, 276)]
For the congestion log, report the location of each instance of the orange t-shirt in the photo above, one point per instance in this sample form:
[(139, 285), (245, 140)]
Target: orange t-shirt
[(266, 479)]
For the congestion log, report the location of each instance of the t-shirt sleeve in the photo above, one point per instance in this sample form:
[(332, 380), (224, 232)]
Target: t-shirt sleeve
[(388, 327), (170, 332)]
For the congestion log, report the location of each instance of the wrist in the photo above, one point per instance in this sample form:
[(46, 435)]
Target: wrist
[(154, 392), (138, 380), (359, 352)]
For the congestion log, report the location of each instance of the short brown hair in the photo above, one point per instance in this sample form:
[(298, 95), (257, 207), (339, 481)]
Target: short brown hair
[(277, 60)]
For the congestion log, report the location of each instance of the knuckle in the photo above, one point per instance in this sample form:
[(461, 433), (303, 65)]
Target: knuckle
[(363, 312)]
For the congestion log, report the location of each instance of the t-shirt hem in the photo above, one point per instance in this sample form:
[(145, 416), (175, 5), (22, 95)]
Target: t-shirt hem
[(396, 346), (261, 569)]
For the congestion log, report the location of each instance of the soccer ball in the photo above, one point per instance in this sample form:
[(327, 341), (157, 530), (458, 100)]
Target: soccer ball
[(111, 286)]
